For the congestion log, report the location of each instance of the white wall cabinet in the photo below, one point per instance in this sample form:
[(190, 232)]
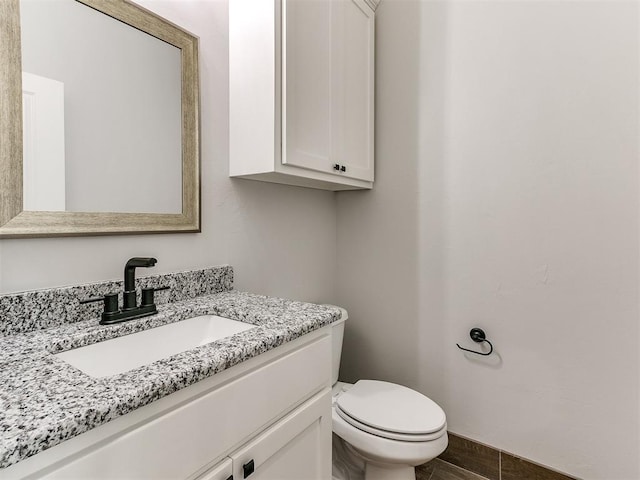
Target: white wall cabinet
[(301, 80), (268, 418)]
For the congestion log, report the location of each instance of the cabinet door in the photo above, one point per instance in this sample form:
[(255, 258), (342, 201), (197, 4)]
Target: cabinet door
[(221, 471), (296, 448), (306, 83), (353, 89), (327, 84)]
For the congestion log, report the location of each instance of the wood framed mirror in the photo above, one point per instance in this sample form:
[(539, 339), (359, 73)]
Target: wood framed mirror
[(92, 197)]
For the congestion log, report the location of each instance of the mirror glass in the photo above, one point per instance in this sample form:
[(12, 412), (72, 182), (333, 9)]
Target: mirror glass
[(110, 104), (102, 113)]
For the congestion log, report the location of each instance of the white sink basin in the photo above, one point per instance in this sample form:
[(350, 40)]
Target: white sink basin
[(122, 354)]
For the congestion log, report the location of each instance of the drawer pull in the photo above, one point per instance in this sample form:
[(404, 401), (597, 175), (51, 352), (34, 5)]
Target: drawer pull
[(248, 468)]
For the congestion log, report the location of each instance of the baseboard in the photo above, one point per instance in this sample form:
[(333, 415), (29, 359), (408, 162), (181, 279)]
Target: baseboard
[(495, 464)]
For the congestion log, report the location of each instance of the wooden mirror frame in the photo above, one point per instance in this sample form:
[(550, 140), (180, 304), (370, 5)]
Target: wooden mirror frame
[(18, 223)]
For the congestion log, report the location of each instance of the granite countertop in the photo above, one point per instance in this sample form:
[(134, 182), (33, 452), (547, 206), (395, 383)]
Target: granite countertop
[(44, 400)]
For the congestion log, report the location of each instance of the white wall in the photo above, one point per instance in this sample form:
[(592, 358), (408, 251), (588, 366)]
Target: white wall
[(280, 240), (506, 197)]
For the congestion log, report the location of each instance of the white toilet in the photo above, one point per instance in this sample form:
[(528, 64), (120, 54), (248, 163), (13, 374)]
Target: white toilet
[(381, 430)]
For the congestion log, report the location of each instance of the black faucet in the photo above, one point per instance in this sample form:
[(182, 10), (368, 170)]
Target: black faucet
[(129, 296), (130, 308)]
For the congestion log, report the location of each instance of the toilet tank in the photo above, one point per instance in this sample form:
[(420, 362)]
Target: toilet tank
[(337, 334)]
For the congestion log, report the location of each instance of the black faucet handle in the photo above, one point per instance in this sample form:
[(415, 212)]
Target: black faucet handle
[(110, 302), (148, 297), (91, 300)]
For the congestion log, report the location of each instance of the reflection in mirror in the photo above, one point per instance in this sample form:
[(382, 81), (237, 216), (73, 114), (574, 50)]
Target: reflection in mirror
[(101, 113), (133, 165)]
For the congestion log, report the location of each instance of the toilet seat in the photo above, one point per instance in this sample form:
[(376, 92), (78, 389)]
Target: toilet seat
[(403, 437), (385, 450), (391, 411)]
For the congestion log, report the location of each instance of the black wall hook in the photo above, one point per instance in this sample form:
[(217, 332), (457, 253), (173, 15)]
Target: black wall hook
[(478, 336)]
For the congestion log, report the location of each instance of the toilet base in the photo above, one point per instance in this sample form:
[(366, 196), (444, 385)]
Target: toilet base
[(349, 464), (389, 472), (346, 465)]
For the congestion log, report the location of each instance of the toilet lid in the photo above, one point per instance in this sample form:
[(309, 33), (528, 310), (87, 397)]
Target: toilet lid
[(393, 408)]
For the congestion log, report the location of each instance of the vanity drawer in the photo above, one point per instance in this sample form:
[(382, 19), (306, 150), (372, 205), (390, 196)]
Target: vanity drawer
[(182, 441)]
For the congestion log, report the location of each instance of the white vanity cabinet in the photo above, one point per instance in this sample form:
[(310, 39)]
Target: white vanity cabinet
[(266, 418), (222, 471), (293, 449), (301, 86)]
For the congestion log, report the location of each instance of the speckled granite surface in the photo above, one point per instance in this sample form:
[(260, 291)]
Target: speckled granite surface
[(27, 311), (44, 401)]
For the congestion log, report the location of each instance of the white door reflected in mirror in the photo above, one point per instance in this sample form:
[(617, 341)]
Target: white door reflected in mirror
[(43, 137)]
